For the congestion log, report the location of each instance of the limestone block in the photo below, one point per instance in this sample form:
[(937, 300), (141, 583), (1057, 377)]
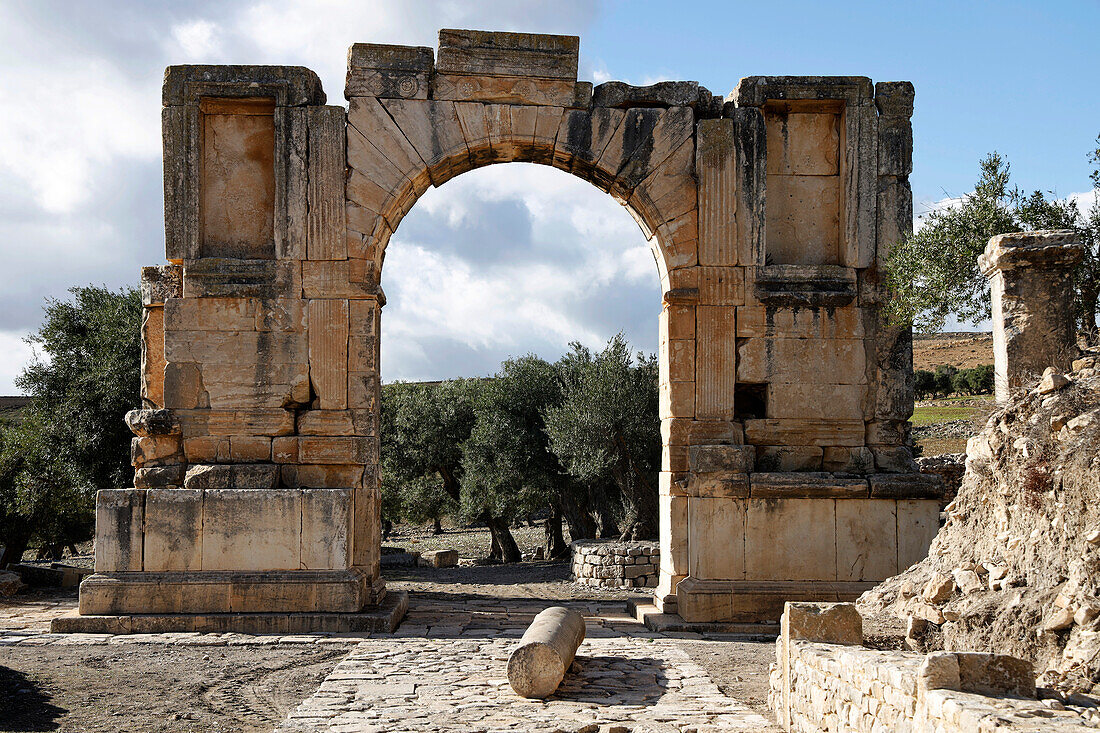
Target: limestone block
[(679, 365), (155, 450), (716, 362), (264, 383), (210, 314), (833, 401), (829, 361), (674, 457), (486, 53), (329, 476), (803, 219), (336, 422), (662, 94), (866, 539), (793, 485), (383, 70), (505, 89), (237, 187), (152, 422), (173, 529), (364, 318), (325, 235), (183, 386), (681, 431), (328, 352), (906, 486), (668, 192), (158, 476), (152, 356), (231, 476), (848, 460), (939, 671), (676, 399), (159, 283), (236, 422), (995, 674), (728, 458), (218, 277), (326, 528), (804, 432), (719, 485), (894, 459), (758, 321), (790, 539), (206, 449), (251, 529), (828, 623), (674, 534), (235, 347), (440, 558), (284, 450), (788, 458), (582, 136), (699, 602), (281, 314), (337, 450), (545, 652), (803, 143), (646, 139), (334, 279), (436, 134), (716, 165), (249, 448), (119, 516), (364, 390), (918, 524), (679, 241), (716, 538), (380, 154), (672, 483)]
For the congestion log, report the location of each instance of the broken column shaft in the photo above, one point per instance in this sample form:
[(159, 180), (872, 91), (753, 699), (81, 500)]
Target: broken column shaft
[(544, 654), (1031, 283)]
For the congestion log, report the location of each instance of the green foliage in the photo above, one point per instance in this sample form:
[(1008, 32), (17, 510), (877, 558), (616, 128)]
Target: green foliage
[(933, 272), (71, 440), (947, 380), (606, 431), (423, 428)]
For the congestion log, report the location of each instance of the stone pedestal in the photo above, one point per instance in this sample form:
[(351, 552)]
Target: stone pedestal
[(1031, 286)]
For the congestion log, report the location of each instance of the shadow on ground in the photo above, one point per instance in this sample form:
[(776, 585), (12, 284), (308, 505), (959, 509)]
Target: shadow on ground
[(24, 706)]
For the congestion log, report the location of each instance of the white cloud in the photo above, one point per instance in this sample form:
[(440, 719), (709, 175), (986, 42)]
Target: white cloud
[(199, 40), (17, 353)]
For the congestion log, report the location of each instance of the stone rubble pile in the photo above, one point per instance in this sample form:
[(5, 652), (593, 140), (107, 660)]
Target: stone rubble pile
[(1016, 566), (611, 564)]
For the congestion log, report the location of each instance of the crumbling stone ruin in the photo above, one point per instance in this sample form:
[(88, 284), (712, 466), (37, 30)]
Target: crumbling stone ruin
[(786, 472)]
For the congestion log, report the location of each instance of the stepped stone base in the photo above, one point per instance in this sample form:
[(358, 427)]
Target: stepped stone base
[(383, 618), (754, 602)]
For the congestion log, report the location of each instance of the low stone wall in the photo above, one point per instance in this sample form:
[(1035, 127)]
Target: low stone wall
[(612, 564), (824, 680)]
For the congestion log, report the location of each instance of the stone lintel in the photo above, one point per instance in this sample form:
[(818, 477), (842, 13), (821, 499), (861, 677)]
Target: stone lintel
[(807, 485), (894, 98), (1047, 249), (390, 57), (508, 54), (662, 94), (802, 286), (388, 71), (756, 91), (289, 86), (906, 486)]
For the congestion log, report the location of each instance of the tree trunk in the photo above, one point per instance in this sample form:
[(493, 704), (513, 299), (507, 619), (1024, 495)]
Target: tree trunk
[(387, 528), (555, 540), (15, 544), (508, 547), (1089, 304), (437, 528), (495, 553)]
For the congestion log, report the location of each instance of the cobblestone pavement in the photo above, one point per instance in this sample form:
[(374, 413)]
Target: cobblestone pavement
[(445, 670)]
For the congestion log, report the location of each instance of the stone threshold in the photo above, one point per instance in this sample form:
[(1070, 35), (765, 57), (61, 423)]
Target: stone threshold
[(648, 614), (383, 618)]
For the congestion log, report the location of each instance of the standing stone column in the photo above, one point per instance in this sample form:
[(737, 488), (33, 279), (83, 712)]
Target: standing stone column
[(1031, 283)]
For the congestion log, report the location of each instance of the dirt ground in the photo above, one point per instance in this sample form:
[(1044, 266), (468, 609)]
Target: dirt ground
[(157, 687), (96, 688), (961, 349)]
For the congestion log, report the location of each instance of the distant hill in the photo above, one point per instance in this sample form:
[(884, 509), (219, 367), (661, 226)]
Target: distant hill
[(963, 349), (10, 407)]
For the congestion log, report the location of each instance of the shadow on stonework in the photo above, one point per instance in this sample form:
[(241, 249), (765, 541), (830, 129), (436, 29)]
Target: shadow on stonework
[(24, 705), (614, 680)]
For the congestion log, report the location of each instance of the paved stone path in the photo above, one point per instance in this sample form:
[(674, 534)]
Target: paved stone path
[(445, 670)]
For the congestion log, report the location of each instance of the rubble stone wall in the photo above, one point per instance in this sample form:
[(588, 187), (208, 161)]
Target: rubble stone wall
[(610, 564), (818, 686)]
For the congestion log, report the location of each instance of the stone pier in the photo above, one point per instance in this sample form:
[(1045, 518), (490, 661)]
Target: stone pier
[(1031, 282)]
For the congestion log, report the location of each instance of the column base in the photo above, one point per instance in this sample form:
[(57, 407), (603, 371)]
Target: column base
[(383, 617), (229, 591)]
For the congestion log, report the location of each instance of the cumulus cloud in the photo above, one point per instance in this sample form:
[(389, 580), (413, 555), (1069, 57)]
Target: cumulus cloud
[(568, 264)]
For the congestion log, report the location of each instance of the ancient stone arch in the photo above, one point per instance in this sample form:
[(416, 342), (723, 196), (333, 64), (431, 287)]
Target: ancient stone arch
[(784, 398)]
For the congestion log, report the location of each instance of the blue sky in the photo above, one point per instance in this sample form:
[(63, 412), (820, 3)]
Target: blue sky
[(506, 259)]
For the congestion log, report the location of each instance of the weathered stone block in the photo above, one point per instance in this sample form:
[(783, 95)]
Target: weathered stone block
[(794, 539), (119, 516), (233, 476), (729, 458), (326, 528), (173, 529), (486, 53), (918, 524), (829, 623), (716, 538), (383, 70), (251, 529), (788, 458), (866, 539)]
